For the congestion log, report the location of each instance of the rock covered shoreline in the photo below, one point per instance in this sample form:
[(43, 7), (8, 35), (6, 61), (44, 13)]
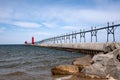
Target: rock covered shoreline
[(102, 66)]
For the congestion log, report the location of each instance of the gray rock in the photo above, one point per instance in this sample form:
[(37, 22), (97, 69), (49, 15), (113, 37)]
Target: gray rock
[(104, 64), (109, 47), (96, 69), (82, 62), (104, 58), (112, 46), (115, 74), (110, 66), (113, 66)]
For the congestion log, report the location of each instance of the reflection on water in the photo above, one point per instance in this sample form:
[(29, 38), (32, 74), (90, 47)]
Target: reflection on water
[(18, 62)]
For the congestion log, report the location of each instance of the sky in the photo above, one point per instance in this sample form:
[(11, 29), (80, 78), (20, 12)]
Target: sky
[(22, 19)]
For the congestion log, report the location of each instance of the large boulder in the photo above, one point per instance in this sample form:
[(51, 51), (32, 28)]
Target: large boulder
[(82, 62), (113, 65), (65, 70), (95, 70), (102, 58), (104, 64)]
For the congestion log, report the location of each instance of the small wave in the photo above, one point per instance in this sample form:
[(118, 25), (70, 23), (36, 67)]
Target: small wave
[(12, 59), (26, 62), (36, 68), (17, 73), (37, 57), (63, 58), (9, 65)]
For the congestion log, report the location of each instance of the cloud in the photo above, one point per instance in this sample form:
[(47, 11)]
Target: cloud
[(69, 28), (27, 24), (49, 24), (21, 23), (77, 16), (63, 14), (81, 16)]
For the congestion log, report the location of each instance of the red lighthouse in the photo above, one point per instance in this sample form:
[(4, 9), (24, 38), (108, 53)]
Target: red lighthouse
[(32, 40)]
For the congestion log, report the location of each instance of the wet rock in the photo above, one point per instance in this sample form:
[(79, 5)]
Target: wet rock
[(82, 62), (65, 70)]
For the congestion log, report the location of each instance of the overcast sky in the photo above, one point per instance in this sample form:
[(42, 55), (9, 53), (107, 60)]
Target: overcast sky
[(22, 19)]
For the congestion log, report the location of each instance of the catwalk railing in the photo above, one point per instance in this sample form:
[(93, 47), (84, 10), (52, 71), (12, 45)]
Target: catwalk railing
[(68, 38)]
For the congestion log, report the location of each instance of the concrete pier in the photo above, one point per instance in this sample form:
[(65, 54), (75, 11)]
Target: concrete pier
[(88, 48)]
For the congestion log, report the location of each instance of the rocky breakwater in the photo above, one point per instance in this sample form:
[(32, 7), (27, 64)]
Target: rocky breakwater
[(102, 66), (105, 65)]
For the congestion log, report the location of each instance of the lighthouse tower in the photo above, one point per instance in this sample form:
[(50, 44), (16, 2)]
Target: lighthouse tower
[(32, 40)]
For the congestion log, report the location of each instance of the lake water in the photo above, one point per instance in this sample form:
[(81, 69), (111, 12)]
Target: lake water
[(20, 62)]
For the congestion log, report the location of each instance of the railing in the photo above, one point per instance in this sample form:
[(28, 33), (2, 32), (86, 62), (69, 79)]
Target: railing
[(82, 35)]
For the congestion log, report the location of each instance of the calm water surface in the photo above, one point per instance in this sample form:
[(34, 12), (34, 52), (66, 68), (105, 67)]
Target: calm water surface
[(19, 62)]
